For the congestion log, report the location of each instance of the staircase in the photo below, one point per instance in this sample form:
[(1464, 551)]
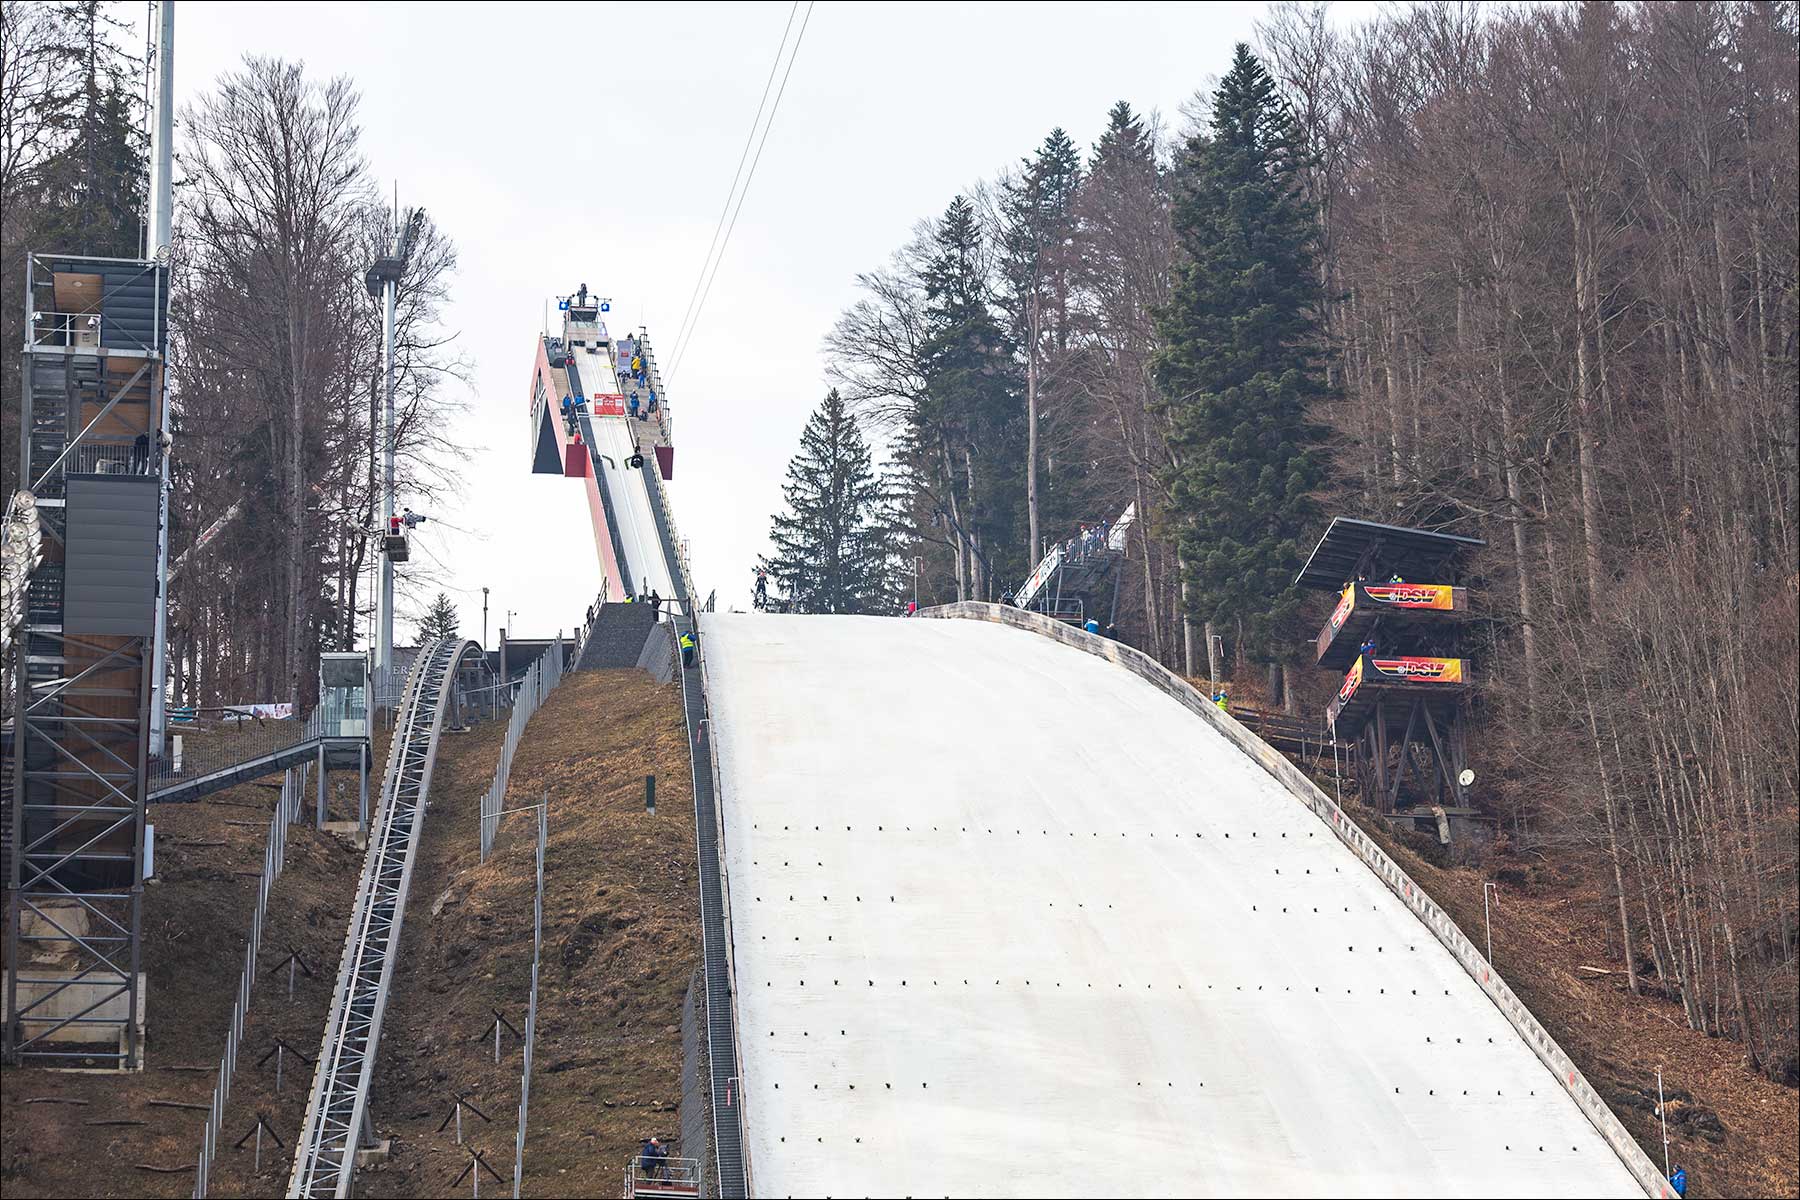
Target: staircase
[(618, 637)]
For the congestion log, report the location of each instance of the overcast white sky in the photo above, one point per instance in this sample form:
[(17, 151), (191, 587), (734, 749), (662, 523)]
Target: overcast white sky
[(568, 143)]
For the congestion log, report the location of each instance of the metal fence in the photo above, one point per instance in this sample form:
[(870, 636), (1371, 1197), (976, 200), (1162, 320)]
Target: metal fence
[(214, 739), (538, 683), (537, 949), (287, 811), (111, 456)]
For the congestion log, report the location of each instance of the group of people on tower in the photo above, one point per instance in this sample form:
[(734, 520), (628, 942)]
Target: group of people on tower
[(1090, 540), (634, 379)]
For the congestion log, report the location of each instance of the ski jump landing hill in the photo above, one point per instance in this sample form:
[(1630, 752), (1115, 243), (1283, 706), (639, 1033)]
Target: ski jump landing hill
[(1015, 912), (1007, 909)]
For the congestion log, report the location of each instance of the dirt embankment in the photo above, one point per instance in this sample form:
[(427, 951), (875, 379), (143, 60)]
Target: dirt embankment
[(1735, 1131), (621, 940), (127, 1135)]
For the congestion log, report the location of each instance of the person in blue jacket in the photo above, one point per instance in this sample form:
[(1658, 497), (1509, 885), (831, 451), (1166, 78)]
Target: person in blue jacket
[(1092, 626), (1678, 1181), (653, 1160)]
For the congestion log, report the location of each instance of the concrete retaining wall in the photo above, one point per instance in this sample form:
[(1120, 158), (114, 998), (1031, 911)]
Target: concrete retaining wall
[(1648, 1176), (658, 657)]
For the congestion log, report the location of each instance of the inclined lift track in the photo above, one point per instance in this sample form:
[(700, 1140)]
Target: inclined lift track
[(337, 1116)]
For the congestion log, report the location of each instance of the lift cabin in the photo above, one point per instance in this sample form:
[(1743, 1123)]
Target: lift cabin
[(1396, 634)]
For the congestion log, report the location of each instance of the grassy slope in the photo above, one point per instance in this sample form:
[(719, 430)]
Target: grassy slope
[(621, 939)]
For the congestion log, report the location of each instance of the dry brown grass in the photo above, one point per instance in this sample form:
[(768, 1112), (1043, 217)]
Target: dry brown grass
[(196, 920), (621, 939)]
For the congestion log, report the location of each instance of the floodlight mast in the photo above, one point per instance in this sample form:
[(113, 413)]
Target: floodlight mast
[(160, 220), (383, 279)]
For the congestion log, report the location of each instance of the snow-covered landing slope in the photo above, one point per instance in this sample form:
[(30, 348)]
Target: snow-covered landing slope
[(1007, 920)]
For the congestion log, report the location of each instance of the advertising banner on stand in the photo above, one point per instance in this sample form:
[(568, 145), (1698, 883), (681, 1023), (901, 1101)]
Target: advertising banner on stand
[(1419, 670), (1438, 596)]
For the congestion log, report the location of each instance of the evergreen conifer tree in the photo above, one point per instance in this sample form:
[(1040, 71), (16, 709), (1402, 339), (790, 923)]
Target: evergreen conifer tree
[(971, 418), (1037, 239), (92, 189), (836, 548), (440, 620), (1239, 363)]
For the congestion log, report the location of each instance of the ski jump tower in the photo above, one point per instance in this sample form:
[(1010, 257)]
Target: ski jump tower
[(1396, 633), (583, 427)]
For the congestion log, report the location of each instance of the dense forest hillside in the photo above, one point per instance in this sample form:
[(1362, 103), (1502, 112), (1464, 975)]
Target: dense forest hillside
[(1526, 274)]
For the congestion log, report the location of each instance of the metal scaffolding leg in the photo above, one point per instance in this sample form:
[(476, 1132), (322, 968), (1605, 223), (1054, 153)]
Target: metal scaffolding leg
[(74, 923)]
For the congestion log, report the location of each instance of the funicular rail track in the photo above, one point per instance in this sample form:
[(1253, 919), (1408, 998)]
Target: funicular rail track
[(337, 1116)]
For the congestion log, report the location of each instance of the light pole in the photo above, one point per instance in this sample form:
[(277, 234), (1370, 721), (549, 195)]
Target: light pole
[(484, 595), (917, 563), (1662, 1115), (1487, 890), (383, 281), (161, 212)]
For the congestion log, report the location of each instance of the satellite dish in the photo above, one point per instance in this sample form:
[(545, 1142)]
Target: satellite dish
[(1466, 778)]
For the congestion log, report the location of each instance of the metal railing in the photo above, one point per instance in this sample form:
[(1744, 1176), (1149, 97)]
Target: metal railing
[(219, 739), (665, 1177), (540, 680), (287, 811), (653, 374), (111, 457), (537, 952), (65, 329)]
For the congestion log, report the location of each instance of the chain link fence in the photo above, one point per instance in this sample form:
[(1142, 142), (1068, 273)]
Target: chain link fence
[(287, 811)]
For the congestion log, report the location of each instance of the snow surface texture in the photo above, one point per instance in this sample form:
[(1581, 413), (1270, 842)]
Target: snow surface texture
[(613, 437), (1007, 920)]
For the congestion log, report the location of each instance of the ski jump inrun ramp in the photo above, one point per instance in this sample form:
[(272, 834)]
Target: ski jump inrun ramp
[(1009, 918)]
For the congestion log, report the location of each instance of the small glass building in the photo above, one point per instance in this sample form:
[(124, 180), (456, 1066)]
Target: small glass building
[(344, 695)]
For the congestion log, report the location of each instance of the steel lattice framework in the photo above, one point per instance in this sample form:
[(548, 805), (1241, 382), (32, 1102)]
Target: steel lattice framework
[(79, 684), (337, 1116)]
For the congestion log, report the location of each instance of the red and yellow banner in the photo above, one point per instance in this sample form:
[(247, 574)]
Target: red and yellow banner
[(1420, 670), (1345, 603), (1352, 681), (1411, 595)]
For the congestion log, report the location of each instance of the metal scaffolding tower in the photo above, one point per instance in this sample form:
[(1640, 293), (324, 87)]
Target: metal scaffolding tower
[(81, 680)]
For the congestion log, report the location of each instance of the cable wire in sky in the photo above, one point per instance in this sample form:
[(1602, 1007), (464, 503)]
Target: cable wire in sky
[(681, 349), (725, 208)]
